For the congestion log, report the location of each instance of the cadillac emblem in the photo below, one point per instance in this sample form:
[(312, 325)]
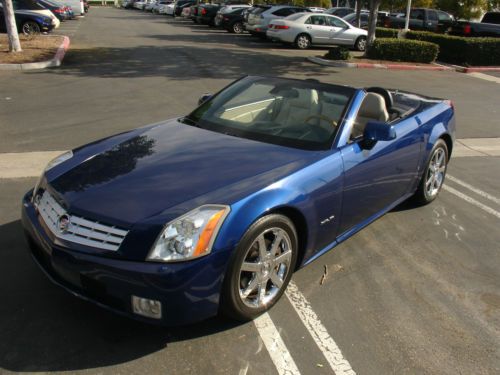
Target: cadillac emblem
[(63, 223)]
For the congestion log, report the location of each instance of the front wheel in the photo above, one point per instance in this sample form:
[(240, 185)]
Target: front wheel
[(260, 268), (360, 44), (30, 28), (303, 41), (434, 174)]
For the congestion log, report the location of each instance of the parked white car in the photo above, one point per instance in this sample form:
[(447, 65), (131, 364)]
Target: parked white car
[(258, 19), (306, 29), (169, 9), (317, 9), (140, 5)]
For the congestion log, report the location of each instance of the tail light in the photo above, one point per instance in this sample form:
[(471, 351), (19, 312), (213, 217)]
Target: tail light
[(451, 104), (226, 18), (387, 23), (281, 27), (467, 30), (58, 10), (203, 11)]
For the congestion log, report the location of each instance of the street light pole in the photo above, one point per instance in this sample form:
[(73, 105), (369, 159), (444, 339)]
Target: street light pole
[(407, 21)]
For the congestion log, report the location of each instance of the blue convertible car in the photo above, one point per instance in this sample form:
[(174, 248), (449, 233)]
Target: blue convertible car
[(212, 212)]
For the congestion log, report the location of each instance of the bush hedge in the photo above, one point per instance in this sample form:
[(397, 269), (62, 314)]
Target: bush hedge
[(382, 32), (461, 50), (403, 50), (338, 53)]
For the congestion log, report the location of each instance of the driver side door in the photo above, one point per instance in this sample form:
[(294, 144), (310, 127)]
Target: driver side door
[(376, 178)]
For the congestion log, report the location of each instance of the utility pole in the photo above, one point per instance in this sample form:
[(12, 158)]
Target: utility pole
[(10, 23), (407, 21)]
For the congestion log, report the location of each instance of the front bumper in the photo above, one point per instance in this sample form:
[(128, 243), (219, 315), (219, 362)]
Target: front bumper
[(188, 291)]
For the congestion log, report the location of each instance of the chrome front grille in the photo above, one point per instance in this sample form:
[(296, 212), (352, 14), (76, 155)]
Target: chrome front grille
[(76, 229)]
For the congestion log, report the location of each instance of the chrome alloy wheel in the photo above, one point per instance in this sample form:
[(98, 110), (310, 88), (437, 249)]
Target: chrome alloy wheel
[(435, 173), (265, 267), (303, 42)]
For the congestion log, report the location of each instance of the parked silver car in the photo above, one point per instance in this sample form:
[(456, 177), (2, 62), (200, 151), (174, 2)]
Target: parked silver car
[(305, 29), (259, 18)]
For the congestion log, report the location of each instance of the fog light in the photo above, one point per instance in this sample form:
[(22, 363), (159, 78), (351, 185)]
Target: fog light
[(146, 307)]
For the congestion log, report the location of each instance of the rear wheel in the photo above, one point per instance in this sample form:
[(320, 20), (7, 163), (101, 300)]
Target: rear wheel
[(303, 41), (237, 28), (360, 44), (260, 268), (434, 174), (30, 28)]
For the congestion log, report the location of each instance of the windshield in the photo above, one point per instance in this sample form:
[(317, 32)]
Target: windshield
[(292, 113)]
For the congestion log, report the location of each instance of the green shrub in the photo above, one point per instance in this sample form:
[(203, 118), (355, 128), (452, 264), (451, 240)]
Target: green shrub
[(382, 32), (403, 50), (462, 50), (338, 53)]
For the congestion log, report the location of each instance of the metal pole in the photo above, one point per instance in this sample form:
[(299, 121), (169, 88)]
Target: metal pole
[(407, 21)]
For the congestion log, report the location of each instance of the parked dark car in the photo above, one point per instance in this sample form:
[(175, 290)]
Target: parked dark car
[(232, 22), (489, 26), (351, 18), (28, 22), (194, 12), (181, 4), (421, 19), (207, 12), (59, 10), (340, 11)]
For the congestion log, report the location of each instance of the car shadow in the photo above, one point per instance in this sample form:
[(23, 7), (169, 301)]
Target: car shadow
[(43, 328), (182, 63)]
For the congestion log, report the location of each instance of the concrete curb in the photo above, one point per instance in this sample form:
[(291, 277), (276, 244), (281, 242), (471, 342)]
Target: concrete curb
[(478, 69), (55, 61), (341, 64)]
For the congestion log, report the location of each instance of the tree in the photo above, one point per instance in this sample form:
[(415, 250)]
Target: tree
[(394, 5), (372, 22), (464, 8), (359, 5), (493, 5), (10, 23)]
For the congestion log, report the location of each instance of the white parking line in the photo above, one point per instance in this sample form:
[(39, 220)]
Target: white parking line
[(485, 77), (275, 346), (472, 201), (474, 189), (318, 331)]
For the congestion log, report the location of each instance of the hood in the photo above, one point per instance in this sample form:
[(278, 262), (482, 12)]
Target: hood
[(166, 165)]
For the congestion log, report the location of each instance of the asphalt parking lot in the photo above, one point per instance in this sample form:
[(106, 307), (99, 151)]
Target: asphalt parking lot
[(416, 292)]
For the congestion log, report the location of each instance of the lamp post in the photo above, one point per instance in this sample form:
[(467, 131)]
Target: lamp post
[(407, 21)]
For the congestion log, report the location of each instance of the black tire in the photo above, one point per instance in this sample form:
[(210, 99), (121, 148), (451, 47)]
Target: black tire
[(302, 41), (30, 28), (237, 28), (360, 44), (233, 305), (428, 190)]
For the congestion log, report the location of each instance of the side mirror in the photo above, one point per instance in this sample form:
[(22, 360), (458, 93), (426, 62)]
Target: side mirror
[(204, 98), (377, 131)]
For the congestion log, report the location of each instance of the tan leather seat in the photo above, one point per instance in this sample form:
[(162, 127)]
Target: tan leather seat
[(373, 108), (296, 110)]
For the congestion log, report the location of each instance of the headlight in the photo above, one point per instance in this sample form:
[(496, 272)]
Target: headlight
[(51, 164), (189, 236)]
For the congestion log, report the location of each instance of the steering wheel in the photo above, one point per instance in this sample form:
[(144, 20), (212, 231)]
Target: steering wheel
[(322, 118)]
